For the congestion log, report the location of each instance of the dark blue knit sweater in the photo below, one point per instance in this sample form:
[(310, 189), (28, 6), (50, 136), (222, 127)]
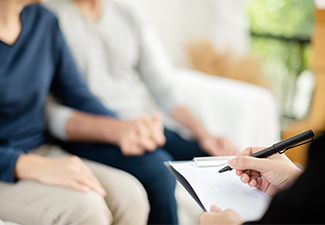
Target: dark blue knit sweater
[(38, 62)]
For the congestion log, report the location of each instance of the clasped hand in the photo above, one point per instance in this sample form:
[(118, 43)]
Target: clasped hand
[(141, 135)]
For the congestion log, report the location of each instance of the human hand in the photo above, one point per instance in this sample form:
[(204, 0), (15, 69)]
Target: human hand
[(270, 174), (217, 216), (141, 135), (69, 172), (217, 146)]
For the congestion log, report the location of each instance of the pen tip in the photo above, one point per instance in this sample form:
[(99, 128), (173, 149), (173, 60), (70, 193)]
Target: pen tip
[(227, 168)]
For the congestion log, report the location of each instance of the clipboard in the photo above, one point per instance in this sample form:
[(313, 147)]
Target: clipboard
[(185, 184), (207, 187), (210, 161)]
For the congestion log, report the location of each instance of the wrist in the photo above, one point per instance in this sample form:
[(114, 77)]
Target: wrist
[(28, 166), (111, 130), (295, 173), (200, 134)]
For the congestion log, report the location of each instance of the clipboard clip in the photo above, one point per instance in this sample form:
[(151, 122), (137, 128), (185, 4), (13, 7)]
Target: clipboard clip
[(294, 146), (212, 161)]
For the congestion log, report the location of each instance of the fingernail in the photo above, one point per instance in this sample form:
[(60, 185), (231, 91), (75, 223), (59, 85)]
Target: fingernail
[(232, 162), (214, 208), (86, 189), (101, 191)]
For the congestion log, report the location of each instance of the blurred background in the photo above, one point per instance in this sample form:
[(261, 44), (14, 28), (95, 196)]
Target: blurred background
[(267, 43), (281, 32), (276, 32)]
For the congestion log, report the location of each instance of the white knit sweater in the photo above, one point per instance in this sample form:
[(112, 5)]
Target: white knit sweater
[(120, 59)]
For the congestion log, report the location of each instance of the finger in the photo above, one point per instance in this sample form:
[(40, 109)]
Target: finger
[(157, 118), (250, 177), (250, 150), (215, 208), (143, 127), (137, 150), (86, 177), (96, 185), (239, 172), (254, 174), (250, 163), (93, 185), (252, 183), (147, 143), (131, 145), (156, 129), (87, 172), (146, 137), (132, 150), (158, 134), (232, 162), (245, 178), (72, 183)]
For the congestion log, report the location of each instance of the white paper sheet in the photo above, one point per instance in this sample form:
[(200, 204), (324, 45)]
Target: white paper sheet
[(224, 190)]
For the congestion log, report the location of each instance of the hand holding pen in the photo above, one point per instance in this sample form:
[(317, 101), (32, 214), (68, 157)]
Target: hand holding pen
[(269, 174)]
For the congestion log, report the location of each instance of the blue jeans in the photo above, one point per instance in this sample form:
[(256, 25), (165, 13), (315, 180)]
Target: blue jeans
[(148, 169)]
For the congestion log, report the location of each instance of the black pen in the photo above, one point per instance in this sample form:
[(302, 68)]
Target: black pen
[(280, 147)]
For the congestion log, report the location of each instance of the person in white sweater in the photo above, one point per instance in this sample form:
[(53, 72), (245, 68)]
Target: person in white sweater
[(114, 50)]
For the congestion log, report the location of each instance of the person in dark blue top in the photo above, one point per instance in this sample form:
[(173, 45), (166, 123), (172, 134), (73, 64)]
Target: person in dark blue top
[(37, 61), (34, 189)]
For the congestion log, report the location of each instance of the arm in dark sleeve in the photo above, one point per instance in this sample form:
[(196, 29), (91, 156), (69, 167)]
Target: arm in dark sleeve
[(8, 159), (68, 86)]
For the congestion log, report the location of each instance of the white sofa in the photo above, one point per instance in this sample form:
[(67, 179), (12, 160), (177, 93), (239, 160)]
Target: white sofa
[(7, 223)]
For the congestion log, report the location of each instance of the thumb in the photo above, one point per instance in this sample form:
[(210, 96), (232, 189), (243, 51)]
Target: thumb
[(250, 163), (214, 208), (157, 118), (158, 129)]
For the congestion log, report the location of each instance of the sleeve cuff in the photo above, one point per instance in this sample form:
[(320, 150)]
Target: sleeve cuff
[(58, 116), (8, 159)]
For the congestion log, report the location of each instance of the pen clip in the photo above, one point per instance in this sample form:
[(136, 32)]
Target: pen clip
[(306, 142)]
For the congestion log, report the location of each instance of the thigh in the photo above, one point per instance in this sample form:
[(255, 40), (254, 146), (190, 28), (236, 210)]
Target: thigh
[(148, 168), (180, 148), (116, 182), (126, 197), (117, 185), (31, 202)]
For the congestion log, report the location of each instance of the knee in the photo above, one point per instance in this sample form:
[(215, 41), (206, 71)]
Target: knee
[(84, 208), (158, 173), (129, 204), (158, 181), (137, 195)]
